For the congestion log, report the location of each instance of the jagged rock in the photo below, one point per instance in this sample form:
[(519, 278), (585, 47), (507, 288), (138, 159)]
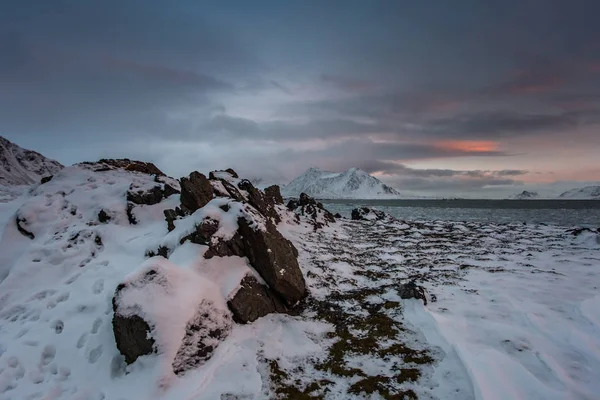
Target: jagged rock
[(20, 222), (253, 300), (196, 191), (230, 171), (132, 165), (103, 217), (170, 216), (132, 333), (338, 215), (204, 332), (273, 194), (308, 207), (203, 232), (130, 215), (367, 214), (231, 247), (46, 179), (169, 190), (148, 197), (274, 258), (265, 205), (411, 290)]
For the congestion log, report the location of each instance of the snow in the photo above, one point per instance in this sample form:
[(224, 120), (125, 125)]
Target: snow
[(585, 193), (517, 310), (351, 184)]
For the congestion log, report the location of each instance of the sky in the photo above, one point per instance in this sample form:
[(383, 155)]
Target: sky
[(476, 97)]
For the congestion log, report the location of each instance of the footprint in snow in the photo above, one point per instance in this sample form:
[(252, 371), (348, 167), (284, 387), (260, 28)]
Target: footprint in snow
[(73, 278), (64, 373), (96, 326), (58, 326), (36, 376), (63, 297), (48, 354), (82, 340), (98, 286), (95, 354)]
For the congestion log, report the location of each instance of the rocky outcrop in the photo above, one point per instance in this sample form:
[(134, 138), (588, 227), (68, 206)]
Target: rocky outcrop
[(132, 333), (46, 179), (130, 165), (203, 232), (103, 217), (367, 214), (257, 199), (196, 192), (273, 194), (313, 211), (275, 259), (147, 197), (411, 290), (254, 300), (21, 223)]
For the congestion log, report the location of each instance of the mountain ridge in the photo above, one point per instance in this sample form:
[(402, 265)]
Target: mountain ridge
[(19, 166), (353, 183)]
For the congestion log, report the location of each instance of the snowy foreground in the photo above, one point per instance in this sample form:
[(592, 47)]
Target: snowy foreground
[(516, 312)]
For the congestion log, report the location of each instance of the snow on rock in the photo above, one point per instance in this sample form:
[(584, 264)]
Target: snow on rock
[(351, 184), (585, 193), (313, 212), (367, 214), (184, 313), (19, 166), (525, 195)]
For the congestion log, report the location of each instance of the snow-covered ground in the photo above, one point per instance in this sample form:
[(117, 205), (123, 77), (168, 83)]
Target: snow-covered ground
[(516, 316)]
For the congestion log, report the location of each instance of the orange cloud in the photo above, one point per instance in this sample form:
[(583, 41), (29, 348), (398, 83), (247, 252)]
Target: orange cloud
[(470, 146)]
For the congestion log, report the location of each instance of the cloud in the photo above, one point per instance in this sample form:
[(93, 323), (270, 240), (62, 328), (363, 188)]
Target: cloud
[(346, 84)]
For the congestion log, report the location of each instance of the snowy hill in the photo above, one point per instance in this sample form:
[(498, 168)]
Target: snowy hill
[(20, 166), (585, 193), (525, 195), (351, 184)]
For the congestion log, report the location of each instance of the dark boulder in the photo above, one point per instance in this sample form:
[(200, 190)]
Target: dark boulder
[(103, 217), (338, 215), (367, 214), (130, 215), (169, 190), (227, 248), (273, 194), (411, 290), (148, 197), (132, 333), (274, 258), (314, 211), (46, 179), (196, 191), (170, 216), (253, 300)]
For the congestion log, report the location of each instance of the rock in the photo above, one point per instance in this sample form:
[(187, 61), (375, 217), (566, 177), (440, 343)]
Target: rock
[(170, 216), (132, 333), (253, 300), (411, 290), (103, 217), (367, 214), (132, 165), (273, 194), (20, 227), (207, 328), (136, 324), (338, 215), (196, 191), (169, 190), (231, 172), (264, 204), (148, 197), (46, 179), (130, 214), (275, 259), (314, 211), (231, 247), (578, 231), (203, 232)]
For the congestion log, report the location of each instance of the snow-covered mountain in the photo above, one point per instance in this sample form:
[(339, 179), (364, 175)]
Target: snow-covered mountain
[(351, 184), (585, 193), (525, 195), (19, 166)]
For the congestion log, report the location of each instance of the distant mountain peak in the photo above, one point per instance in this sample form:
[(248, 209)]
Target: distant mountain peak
[(19, 166), (353, 183), (587, 192), (525, 195)]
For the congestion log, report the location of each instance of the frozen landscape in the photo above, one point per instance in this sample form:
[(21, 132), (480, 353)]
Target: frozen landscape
[(374, 307)]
